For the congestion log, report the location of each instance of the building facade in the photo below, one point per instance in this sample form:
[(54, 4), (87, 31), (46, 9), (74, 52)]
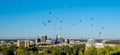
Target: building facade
[(24, 43), (43, 38)]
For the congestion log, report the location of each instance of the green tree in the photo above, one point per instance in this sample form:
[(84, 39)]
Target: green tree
[(116, 50), (91, 51), (81, 52), (22, 51), (54, 52), (101, 51)]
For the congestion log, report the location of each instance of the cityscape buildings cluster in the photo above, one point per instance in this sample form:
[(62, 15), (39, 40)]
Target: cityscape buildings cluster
[(59, 41)]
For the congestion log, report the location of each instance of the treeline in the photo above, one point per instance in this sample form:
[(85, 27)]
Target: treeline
[(59, 50), (34, 50), (107, 50)]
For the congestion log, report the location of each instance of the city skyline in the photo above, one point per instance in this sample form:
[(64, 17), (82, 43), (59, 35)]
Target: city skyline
[(68, 18)]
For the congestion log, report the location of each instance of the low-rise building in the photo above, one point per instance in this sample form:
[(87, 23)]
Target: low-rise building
[(3, 42), (31, 42), (111, 42), (90, 42), (116, 42), (50, 41), (23, 43), (99, 45)]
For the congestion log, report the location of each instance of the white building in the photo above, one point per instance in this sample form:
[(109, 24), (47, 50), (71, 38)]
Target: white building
[(72, 40), (90, 42), (49, 41), (99, 45), (31, 42), (77, 42), (27, 43)]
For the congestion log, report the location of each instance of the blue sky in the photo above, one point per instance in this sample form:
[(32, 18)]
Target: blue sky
[(26, 21)]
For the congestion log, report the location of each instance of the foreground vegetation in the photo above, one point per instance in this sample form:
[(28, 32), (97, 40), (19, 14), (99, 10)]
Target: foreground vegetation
[(60, 50)]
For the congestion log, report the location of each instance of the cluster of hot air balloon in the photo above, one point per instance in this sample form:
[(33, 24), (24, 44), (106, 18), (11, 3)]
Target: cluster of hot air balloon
[(45, 23)]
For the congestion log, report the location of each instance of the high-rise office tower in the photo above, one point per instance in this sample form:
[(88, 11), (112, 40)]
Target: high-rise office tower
[(59, 39), (37, 41), (43, 38)]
